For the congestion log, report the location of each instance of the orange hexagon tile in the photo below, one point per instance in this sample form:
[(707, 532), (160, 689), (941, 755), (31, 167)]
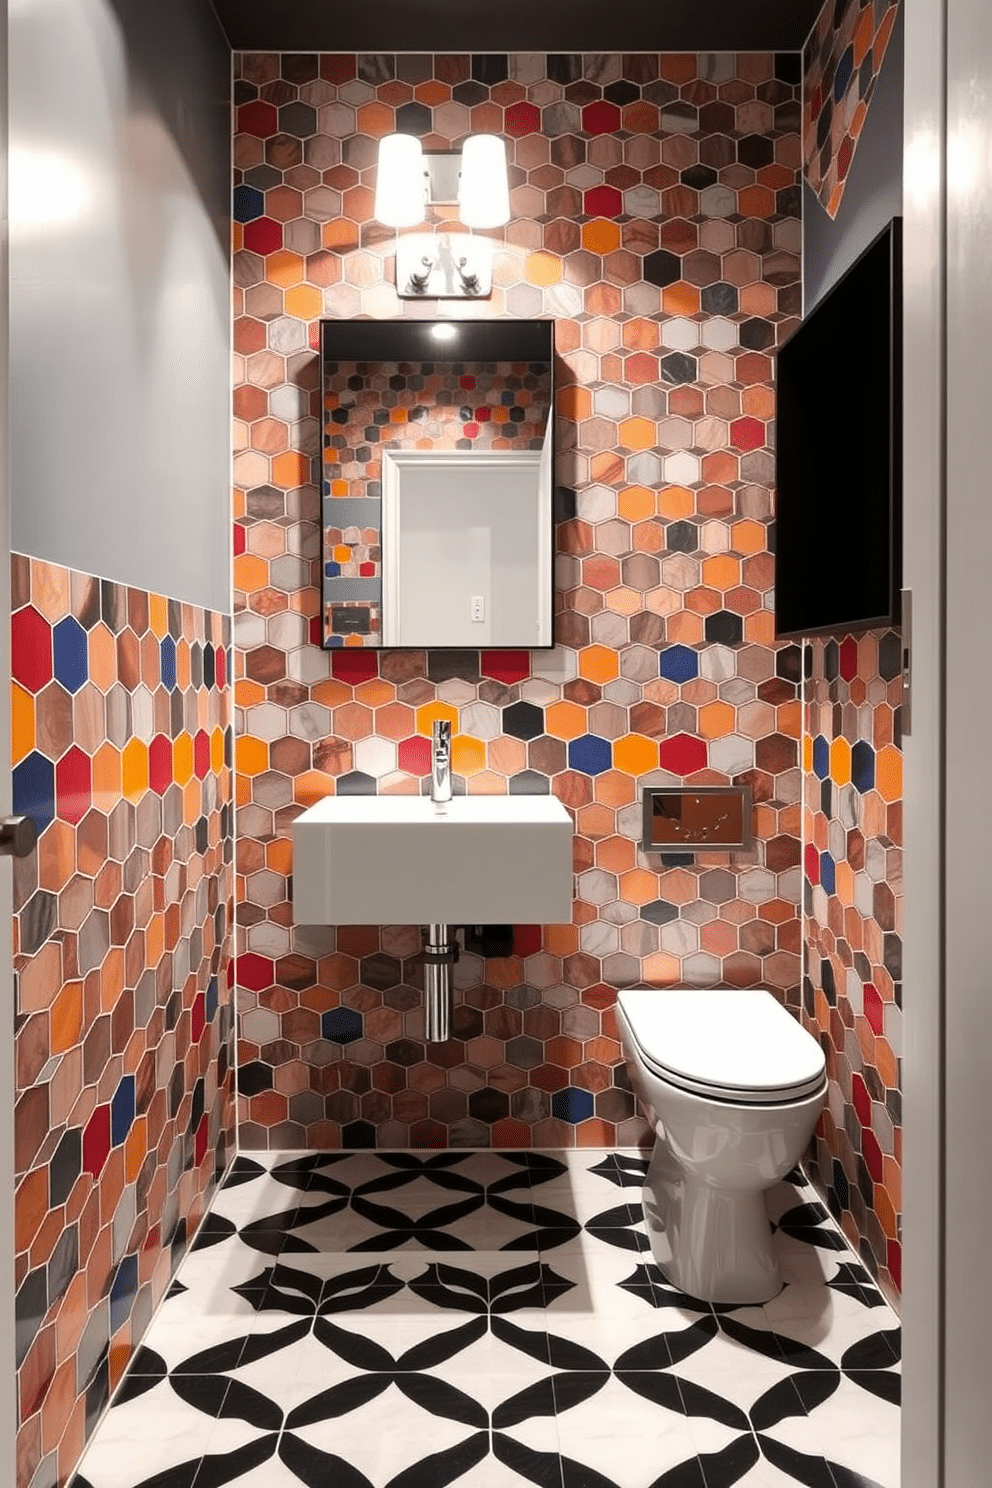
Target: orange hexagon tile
[(375, 694), (134, 769), (102, 657), (250, 573), (22, 734), (285, 269), (565, 720), (468, 755), (433, 713), (716, 720), (543, 269), (182, 758), (395, 721), (616, 855), (676, 502), (599, 663), (158, 615), (748, 537), (844, 886), (840, 761), (615, 788), (638, 886), (106, 777), (888, 773), (635, 754), (251, 755), (601, 236), (573, 402), (635, 503), (721, 572), (290, 470), (375, 120), (304, 302)]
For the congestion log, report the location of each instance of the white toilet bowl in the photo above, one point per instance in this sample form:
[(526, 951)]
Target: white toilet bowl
[(733, 1086)]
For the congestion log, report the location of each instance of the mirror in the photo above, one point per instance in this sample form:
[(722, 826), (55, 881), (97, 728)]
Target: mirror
[(437, 483)]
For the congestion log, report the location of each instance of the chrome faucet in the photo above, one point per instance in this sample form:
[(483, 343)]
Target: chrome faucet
[(441, 762)]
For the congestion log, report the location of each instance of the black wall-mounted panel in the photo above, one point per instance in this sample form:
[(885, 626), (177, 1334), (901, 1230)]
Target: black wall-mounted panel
[(838, 529), (518, 25), (416, 341)]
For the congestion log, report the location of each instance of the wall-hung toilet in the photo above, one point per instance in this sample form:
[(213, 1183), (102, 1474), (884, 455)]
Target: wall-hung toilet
[(733, 1086)]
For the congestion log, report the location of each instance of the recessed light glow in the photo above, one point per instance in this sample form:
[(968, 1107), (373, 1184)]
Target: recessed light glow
[(444, 332), (48, 190)]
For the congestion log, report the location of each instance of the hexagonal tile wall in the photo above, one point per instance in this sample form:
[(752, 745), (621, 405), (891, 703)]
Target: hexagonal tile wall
[(655, 204), (841, 64), (121, 743), (852, 987)]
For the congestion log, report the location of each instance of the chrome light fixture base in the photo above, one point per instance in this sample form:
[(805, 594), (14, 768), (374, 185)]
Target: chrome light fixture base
[(444, 266)]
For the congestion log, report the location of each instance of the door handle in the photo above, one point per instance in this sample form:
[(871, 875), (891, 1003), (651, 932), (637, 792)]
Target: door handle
[(18, 836)]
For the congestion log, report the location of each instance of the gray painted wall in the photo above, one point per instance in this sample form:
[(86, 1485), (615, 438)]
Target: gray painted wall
[(120, 305), (8, 1079), (873, 194)]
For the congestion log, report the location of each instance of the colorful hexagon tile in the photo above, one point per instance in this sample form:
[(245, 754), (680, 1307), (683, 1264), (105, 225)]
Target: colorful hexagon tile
[(73, 786), (855, 921), (862, 766), (30, 649), (839, 91), (679, 664), (160, 774), (71, 654), (682, 754), (90, 945), (505, 666), (96, 1141), (589, 755), (668, 258), (122, 1111), (34, 789)]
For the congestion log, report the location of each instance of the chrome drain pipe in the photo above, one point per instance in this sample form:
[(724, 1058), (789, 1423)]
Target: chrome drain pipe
[(440, 954)]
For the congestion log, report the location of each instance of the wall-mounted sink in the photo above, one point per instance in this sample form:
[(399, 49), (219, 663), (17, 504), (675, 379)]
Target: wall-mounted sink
[(401, 860)]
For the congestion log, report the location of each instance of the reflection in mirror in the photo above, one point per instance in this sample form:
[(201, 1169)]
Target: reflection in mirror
[(465, 545), (437, 483)]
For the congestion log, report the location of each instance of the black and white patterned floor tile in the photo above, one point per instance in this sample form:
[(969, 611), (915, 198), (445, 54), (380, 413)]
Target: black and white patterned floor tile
[(410, 1320)]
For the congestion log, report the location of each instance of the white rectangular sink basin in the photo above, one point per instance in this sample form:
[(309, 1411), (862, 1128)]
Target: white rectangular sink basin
[(401, 860)]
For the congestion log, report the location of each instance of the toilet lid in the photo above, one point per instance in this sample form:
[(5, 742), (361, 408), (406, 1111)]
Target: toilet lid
[(737, 1044)]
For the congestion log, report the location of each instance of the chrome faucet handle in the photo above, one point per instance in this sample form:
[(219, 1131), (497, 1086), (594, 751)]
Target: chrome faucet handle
[(420, 276)]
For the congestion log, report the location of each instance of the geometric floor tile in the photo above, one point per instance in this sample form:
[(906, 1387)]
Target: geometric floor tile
[(492, 1319)]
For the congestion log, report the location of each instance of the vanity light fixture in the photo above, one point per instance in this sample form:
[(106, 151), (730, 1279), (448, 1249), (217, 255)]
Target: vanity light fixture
[(483, 189), (400, 182), (445, 265)]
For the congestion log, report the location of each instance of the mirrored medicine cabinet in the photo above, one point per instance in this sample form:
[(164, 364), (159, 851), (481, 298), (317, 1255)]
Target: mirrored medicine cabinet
[(437, 483)]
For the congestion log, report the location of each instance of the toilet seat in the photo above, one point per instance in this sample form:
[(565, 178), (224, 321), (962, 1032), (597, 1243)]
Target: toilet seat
[(729, 1044)]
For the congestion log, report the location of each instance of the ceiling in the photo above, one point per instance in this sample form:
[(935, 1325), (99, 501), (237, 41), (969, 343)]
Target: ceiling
[(517, 25)]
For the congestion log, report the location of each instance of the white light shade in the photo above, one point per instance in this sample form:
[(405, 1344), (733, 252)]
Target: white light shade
[(483, 190), (399, 182)]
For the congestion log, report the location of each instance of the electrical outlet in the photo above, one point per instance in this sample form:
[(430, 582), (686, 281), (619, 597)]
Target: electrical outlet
[(478, 607)]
